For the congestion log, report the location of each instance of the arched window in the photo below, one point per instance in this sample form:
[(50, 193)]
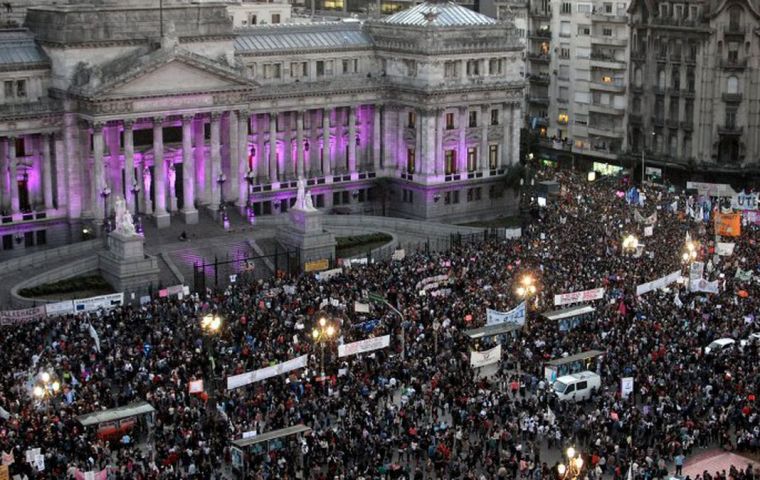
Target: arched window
[(637, 77), (735, 18), (661, 79), (732, 85)]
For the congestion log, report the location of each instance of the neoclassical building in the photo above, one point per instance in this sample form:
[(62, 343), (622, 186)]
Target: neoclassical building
[(179, 113)]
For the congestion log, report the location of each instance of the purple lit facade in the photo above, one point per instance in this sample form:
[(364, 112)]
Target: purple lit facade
[(361, 102)]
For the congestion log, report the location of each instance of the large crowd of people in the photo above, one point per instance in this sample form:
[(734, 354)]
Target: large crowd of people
[(416, 409)]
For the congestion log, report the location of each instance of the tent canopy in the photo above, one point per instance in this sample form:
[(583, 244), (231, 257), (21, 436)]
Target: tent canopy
[(115, 414), (273, 435), (575, 358), (569, 312)]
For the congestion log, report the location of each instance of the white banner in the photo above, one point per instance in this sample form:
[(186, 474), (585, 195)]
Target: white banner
[(92, 304), (712, 189), (327, 274), (703, 285), (513, 233), (398, 255), (516, 316), (360, 307), (434, 279), (626, 386), (696, 271), (17, 317), (59, 308), (744, 201), (364, 346), (195, 386), (487, 357), (659, 283), (649, 231), (575, 297), (237, 381), (725, 249)]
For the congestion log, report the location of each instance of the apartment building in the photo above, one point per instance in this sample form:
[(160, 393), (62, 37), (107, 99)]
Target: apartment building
[(577, 68), (694, 86)]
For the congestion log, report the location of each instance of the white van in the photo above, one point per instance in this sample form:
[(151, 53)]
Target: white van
[(578, 386), (719, 345)]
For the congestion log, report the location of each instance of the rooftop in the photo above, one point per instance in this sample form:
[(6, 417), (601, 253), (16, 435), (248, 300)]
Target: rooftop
[(439, 14), (316, 36), (18, 48)]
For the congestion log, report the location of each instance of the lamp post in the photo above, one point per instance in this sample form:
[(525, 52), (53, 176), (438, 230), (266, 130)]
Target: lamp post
[(630, 244), (250, 177), (324, 332), (689, 252), (105, 193), (527, 287), (220, 180), (574, 467), (210, 324), (135, 189), (47, 387)]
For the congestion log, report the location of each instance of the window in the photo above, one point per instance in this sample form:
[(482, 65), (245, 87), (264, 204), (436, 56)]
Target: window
[(473, 67), (252, 19), (584, 30), (689, 109), (563, 118), (731, 118), (664, 10), (582, 385), (411, 67), (608, 8), (732, 85), (564, 29), (9, 89), (564, 93), (584, 8), (451, 69), (298, 69), (675, 79), (450, 160), (690, 80), (607, 32), (411, 119), (564, 72), (636, 104), (447, 198), (494, 117), (564, 53), (494, 66), (493, 156), (408, 196), (581, 52), (473, 119), (21, 88), (472, 159), (346, 66), (275, 18), (674, 108), (693, 12), (566, 8), (678, 12), (581, 119), (320, 68), (455, 197), (661, 79), (733, 52), (410, 160), (734, 18), (449, 121)]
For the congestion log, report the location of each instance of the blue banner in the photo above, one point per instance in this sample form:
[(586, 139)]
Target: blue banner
[(516, 316)]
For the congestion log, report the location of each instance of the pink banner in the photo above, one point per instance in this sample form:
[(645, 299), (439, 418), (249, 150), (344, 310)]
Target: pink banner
[(17, 317), (575, 297)]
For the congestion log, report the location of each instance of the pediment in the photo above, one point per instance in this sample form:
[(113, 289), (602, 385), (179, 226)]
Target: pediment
[(177, 77)]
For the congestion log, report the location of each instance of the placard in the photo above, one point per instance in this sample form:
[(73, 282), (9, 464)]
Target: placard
[(25, 315), (398, 255), (316, 265), (659, 283), (327, 274), (626, 386), (196, 386), (360, 307), (65, 307), (576, 297), (364, 346)]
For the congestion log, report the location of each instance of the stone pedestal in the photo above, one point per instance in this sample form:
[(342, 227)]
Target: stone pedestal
[(191, 216), (163, 220), (126, 267), (305, 232)]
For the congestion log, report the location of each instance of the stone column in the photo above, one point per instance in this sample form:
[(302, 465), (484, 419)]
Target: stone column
[(98, 180), (129, 163), (159, 174), (376, 137), (326, 163), (439, 120), (74, 185), (462, 151), (202, 170), (189, 212), (485, 120), (260, 166), (47, 172), (242, 158), (430, 150), (352, 142), (59, 184), (232, 187), (216, 160), (419, 144), (401, 146), (301, 168), (13, 168), (288, 164), (5, 191), (506, 126), (273, 177), (516, 115)]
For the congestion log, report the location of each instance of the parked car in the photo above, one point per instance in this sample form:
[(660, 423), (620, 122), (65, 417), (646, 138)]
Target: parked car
[(719, 345)]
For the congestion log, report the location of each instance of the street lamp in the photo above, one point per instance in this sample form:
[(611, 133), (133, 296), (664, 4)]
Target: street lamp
[(630, 243), (250, 177), (220, 180), (135, 189), (210, 324), (690, 252), (324, 332), (527, 287), (46, 387), (105, 193), (574, 466)]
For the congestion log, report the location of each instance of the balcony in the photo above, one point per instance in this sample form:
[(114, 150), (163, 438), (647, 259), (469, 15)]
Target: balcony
[(638, 56), (732, 97), (538, 100), (688, 93), (607, 87), (539, 13), (734, 30), (687, 124), (732, 130), (605, 131), (611, 18), (540, 57), (607, 109), (672, 123), (604, 60), (555, 144), (539, 79), (678, 22), (634, 119), (734, 64), (610, 41), (541, 34)]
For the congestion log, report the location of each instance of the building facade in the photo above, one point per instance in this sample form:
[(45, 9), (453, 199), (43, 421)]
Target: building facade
[(427, 99), (694, 96), (578, 69)]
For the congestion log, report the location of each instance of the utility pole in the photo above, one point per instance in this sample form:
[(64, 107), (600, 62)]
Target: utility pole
[(378, 298)]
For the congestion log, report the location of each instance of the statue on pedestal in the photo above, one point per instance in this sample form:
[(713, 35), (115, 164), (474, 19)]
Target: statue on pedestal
[(300, 200), (124, 224), (308, 205)]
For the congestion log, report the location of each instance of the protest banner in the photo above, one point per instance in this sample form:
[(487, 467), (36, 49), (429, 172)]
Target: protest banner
[(711, 189), (486, 357), (25, 315), (626, 386), (659, 283), (398, 255), (744, 201), (728, 224), (725, 249), (316, 265), (434, 279), (327, 274), (702, 285), (364, 346), (510, 233), (105, 302), (360, 307), (648, 231), (237, 381), (65, 307), (696, 271), (516, 316), (575, 297)]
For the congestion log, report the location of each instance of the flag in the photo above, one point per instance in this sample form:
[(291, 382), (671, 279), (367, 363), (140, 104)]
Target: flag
[(743, 275), (94, 336), (550, 417), (4, 414), (678, 301)]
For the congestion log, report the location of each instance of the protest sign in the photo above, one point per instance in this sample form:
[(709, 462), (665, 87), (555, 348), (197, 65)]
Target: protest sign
[(487, 357), (364, 346), (575, 297)]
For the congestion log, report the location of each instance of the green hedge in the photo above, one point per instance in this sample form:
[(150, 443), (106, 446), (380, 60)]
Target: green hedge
[(360, 240), (75, 284)]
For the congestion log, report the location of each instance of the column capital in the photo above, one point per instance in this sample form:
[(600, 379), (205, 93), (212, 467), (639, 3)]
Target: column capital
[(244, 114), (158, 121), (215, 116), (187, 118), (129, 123), (97, 126), (485, 107)]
